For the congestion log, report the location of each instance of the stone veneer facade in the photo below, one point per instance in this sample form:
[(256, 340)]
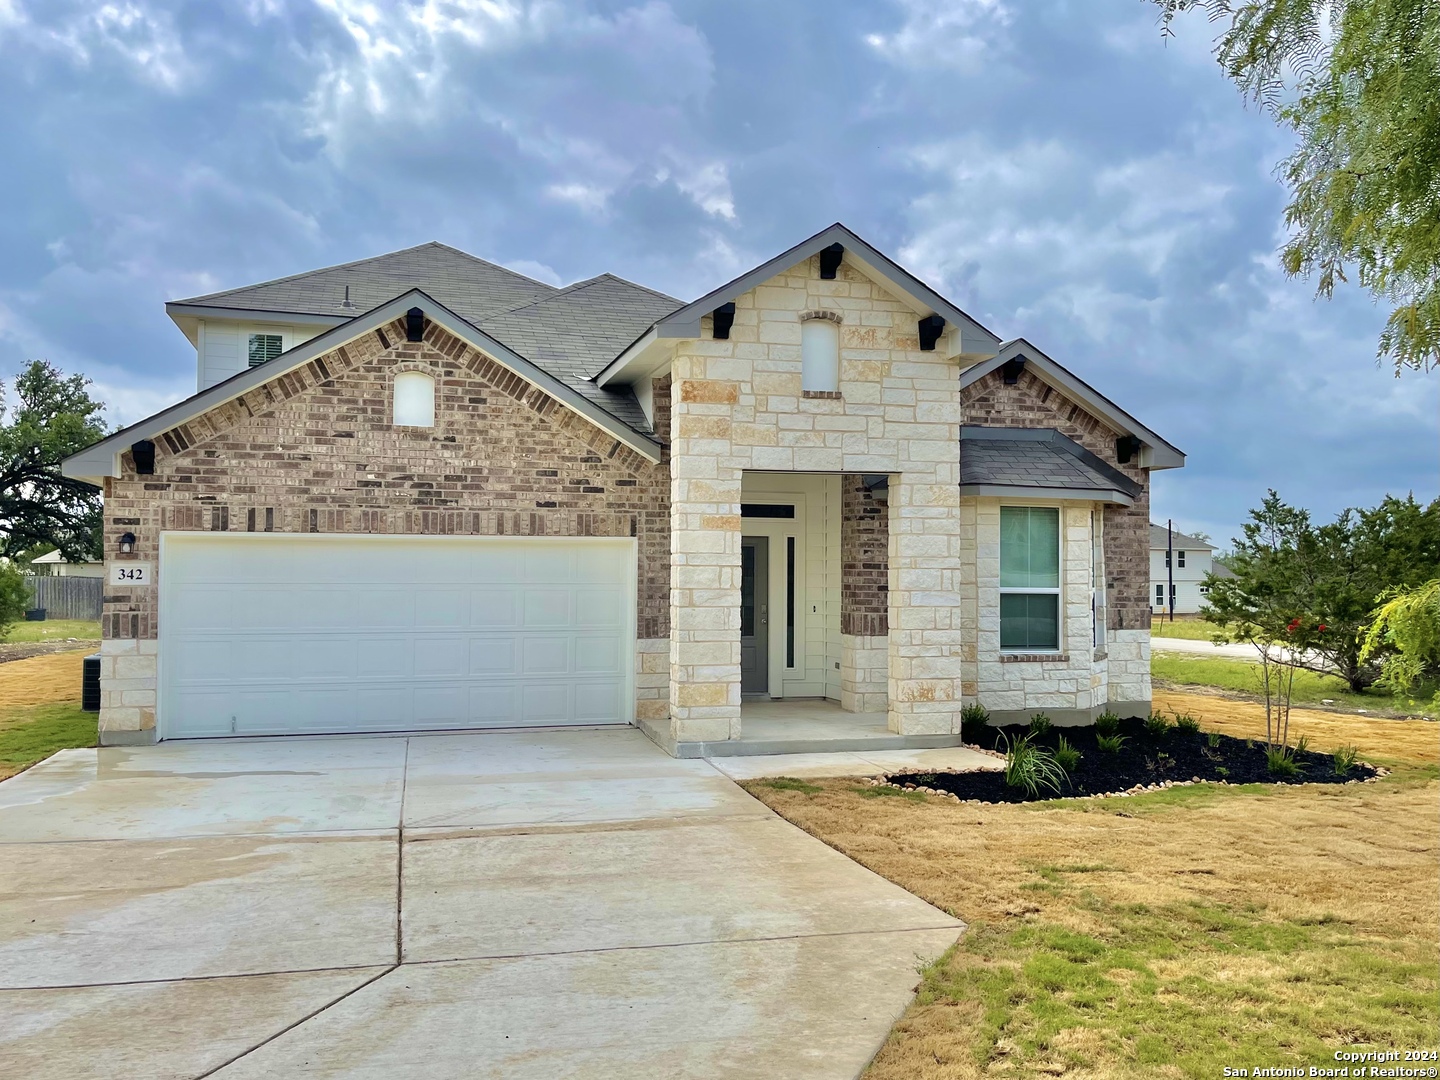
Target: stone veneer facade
[(737, 405), (314, 451)]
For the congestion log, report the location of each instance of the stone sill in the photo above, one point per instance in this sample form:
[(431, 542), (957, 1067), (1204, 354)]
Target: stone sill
[(827, 395), (1035, 658)]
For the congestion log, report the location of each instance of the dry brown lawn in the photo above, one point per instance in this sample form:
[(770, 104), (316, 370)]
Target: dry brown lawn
[(41, 680), (1165, 935)]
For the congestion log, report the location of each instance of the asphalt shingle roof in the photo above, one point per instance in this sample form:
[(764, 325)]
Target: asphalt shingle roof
[(1037, 458), (470, 287), (572, 333), (1180, 540)]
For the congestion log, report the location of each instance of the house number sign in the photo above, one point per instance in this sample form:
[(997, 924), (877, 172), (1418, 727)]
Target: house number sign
[(130, 573)]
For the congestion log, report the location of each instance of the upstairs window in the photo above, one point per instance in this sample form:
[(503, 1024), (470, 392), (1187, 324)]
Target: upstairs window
[(819, 353), (265, 347), (1180, 559), (414, 399), (1029, 577)]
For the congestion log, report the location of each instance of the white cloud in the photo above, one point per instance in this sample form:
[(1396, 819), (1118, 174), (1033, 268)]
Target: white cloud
[(958, 34)]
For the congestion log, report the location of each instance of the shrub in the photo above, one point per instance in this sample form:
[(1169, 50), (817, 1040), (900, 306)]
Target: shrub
[(1156, 725), (14, 597), (1187, 723), (1066, 756), (1213, 739), (1107, 723), (1040, 724), (1110, 744), (1280, 760), (974, 719), (1222, 770), (1030, 767), (1344, 757), (1302, 745)]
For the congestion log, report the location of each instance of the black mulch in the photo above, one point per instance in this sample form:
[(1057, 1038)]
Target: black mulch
[(1143, 759)]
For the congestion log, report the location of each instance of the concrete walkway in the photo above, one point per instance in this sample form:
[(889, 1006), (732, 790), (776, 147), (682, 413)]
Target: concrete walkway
[(539, 904)]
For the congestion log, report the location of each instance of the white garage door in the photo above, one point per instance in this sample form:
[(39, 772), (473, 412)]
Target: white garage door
[(276, 635)]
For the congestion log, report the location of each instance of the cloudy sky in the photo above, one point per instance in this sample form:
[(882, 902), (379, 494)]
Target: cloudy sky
[(1053, 167)]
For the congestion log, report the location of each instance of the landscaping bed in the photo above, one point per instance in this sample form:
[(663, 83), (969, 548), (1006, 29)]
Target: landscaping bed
[(1147, 756)]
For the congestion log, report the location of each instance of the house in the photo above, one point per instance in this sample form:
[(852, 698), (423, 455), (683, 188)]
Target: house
[(52, 565), (424, 492), (1193, 558)]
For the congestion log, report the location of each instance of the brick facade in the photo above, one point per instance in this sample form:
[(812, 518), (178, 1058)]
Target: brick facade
[(1033, 403), (864, 555), (314, 451)]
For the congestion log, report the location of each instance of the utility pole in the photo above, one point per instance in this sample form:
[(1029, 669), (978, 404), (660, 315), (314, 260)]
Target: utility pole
[(1170, 562)]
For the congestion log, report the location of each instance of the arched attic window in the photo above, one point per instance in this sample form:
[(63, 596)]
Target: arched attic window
[(820, 351), (414, 399)]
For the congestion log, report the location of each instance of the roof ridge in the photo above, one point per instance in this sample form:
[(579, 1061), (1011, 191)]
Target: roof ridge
[(354, 263), (637, 285)]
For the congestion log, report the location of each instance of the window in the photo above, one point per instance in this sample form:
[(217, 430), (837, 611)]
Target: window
[(265, 347), (1029, 577), (819, 355), (414, 399), (1159, 595), (1180, 559), (1204, 590), (1097, 578)]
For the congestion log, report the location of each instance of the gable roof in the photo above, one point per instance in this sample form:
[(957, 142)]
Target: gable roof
[(1179, 539), (1039, 462), (975, 339), (574, 332), (1156, 453), (103, 458), (471, 287)]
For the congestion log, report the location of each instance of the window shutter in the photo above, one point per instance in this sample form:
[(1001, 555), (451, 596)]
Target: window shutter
[(265, 347)]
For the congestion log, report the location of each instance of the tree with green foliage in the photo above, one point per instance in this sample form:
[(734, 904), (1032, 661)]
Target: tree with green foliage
[(51, 417), (1358, 82), (1408, 622), (1311, 589), (14, 597)]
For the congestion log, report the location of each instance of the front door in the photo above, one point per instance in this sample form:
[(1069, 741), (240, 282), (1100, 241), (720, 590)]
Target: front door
[(754, 615)]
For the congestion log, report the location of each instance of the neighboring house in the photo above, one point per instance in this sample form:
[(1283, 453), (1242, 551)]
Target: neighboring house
[(1193, 558), (52, 565), (423, 492)]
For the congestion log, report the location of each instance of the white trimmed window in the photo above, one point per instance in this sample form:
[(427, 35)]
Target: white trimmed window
[(265, 347), (1181, 559), (820, 355), (1029, 578), (414, 399)]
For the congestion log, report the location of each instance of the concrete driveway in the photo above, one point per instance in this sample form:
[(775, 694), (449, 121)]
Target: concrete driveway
[(541, 904)]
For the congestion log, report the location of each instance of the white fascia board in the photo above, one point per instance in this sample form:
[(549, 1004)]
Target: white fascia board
[(1020, 491), (974, 338), (187, 316), (646, 356), (96, 462), (1155, 454)]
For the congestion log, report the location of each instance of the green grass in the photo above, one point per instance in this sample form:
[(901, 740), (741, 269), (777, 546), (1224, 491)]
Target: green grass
[(789, 783), (52, 630), (1244, 676), (1190, 985), (32, 733), (1191, 629)]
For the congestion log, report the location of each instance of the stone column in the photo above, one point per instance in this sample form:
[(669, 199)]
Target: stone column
[(705, 558), (926, 637)]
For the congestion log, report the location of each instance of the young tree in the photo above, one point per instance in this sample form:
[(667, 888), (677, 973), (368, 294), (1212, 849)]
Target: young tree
[(1311, 589), (1409, 623), (1358, 83), (51, 417), (14, 597)]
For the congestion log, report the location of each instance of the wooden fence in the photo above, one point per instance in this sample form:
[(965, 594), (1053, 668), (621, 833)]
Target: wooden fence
[(67, 597)]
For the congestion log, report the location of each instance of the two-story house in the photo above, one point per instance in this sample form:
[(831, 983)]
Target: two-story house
[(817, 505), (1182, 562)]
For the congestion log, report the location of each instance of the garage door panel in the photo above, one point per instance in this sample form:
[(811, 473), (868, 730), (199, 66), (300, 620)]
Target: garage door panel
[(274, 634), (497, 609)]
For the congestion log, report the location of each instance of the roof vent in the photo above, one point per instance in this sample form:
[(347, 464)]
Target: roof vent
[(1127, 447), (346, 304), (724, 317), (830, 260), (1012, 369), (931, 327), (414, 325)]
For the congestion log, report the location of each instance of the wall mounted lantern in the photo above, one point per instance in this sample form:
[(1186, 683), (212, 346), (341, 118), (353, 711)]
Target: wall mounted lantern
[(127, 543)]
